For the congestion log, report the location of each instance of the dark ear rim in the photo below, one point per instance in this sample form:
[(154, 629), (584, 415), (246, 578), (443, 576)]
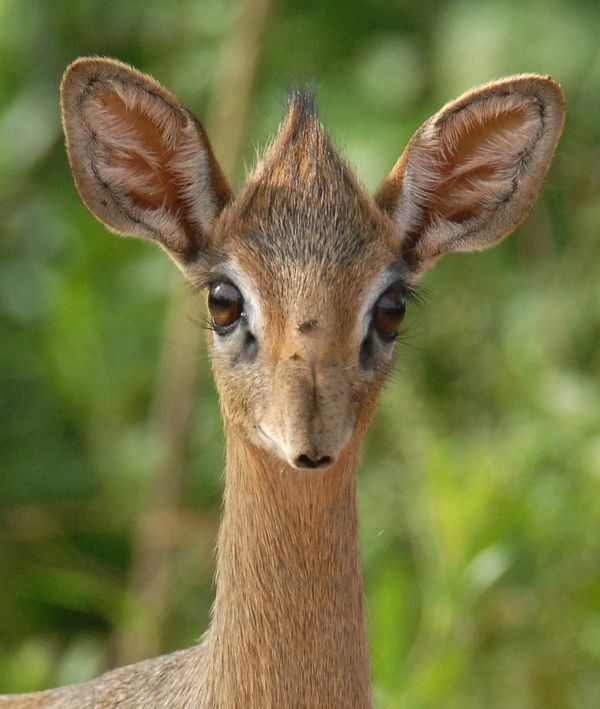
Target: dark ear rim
[(77, 80), (509, 214)]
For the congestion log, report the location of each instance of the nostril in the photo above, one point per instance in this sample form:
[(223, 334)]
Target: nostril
[(303, 461)]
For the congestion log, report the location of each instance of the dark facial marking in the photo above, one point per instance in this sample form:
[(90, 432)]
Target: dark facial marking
[(307, 325)]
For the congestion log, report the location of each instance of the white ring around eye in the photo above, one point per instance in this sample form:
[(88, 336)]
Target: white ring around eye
[(378, 287), (252, 306)]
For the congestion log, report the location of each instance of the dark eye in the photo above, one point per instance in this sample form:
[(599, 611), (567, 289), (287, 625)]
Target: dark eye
[(225, 304), (388, 313)]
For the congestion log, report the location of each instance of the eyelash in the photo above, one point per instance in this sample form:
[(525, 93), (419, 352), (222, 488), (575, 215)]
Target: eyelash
[(203, 322)]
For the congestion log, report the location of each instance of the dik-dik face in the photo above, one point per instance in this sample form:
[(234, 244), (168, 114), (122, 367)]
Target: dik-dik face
[(307, 277), (306, 294)]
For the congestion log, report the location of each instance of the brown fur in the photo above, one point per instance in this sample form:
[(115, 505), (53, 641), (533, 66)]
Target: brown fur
[(299, 376)]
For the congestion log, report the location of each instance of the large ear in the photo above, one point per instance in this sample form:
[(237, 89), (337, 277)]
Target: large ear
[(141, 162), (471, 174)]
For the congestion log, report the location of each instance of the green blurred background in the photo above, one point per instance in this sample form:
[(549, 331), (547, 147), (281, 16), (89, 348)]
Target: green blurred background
[(480, 491)]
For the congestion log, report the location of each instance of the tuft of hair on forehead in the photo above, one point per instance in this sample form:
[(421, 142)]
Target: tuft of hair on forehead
[(302, 203), (301, 147), (301, 165), (301, 112)]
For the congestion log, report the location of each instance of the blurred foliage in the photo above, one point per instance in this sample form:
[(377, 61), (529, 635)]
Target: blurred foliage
[(480, 492)]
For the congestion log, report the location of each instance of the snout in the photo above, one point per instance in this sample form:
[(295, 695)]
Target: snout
[(310, 419)]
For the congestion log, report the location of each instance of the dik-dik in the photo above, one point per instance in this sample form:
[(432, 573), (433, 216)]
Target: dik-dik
[(306, 280)]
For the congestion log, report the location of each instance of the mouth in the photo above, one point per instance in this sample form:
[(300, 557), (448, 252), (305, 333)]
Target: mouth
[(270, 443), (301, 462)]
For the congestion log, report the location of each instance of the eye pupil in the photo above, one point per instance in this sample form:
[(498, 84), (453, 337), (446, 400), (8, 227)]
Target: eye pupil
[(225, 304), (388, 313)]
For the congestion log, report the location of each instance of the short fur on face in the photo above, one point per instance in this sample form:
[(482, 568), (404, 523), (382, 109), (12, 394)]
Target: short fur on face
[(310, 252), (316, 250)]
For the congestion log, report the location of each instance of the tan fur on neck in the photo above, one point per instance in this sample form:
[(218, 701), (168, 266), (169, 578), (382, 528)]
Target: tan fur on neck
[(289, 589)]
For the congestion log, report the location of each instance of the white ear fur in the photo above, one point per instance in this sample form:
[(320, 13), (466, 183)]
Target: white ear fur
[(141, 162), (471, 174)]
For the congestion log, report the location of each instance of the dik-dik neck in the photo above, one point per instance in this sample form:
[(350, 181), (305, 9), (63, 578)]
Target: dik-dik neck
[(288, 624)]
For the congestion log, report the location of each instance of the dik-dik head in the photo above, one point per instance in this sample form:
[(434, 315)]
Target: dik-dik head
[(307, 276)]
